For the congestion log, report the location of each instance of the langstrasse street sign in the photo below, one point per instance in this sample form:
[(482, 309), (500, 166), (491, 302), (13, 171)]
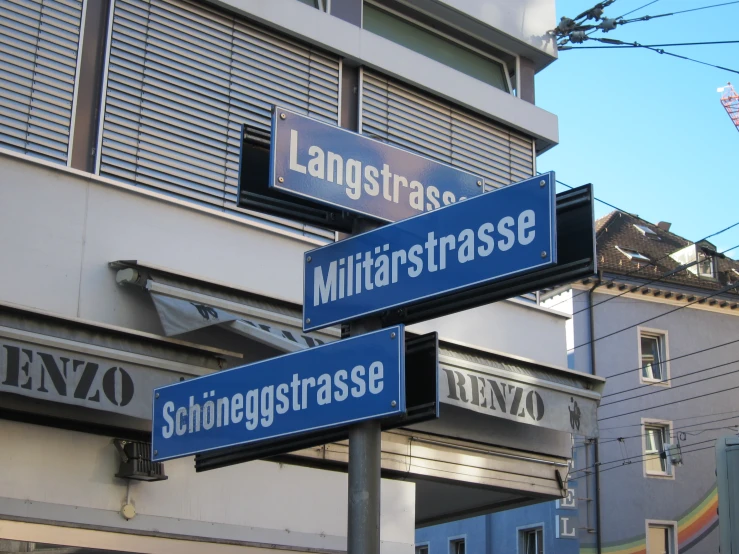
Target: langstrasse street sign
[(343, 169), (320, 388), (462, 246)]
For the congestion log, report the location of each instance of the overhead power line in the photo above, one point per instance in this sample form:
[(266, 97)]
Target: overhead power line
[(720, 291), (655, 280), (626, 462), (622, 21), (681, 400), (683, 453), (668, 389), (637, 9), (636, 457), (627, 45), (675, 431), (668, 360), (676, 419), (650, 264), (657, 50)]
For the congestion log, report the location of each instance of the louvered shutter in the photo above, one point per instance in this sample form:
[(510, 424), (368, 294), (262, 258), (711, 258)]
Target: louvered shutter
[(39, 43), (183, 78), (410, 119)]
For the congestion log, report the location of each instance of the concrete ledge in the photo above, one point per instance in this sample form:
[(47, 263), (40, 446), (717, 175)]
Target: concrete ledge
[(373, 51)]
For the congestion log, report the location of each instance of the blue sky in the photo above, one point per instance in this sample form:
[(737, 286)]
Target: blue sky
[(646, 129)]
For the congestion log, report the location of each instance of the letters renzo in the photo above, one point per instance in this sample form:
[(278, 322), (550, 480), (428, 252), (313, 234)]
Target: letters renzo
[(258, 407), (494, 394), (45, 373), (360, 272)]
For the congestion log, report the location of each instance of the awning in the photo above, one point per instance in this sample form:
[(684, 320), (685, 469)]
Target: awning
[(65, 364), (483, 381), (504, 435)]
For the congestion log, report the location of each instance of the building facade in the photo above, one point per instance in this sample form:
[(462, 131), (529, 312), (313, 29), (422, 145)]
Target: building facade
[(131, 261), (664, 323)]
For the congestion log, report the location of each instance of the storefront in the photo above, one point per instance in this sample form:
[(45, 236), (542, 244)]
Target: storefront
[(130, 261)]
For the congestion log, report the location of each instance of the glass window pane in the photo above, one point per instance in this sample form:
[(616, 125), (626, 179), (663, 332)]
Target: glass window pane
[(654, 442), (530, 543), (658, 540), (651, 357), (433, 46)]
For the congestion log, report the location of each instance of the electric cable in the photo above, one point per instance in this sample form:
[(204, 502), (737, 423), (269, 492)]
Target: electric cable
[(637, 270), (688, 374), (649, 17), (657, 280), (703, 299), (641, 456), (673, 358), (634, 271), (682, 453), (677, 419), (661, 51), (671, 388), (673, 435), (670, 403), (675, 431), (637, 9), (627, 45)]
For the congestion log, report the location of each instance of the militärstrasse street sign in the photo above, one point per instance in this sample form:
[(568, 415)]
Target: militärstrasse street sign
[(339, 168), (459, 247), (320, 388)]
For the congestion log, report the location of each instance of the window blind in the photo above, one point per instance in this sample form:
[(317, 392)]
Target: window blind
[(399, 115), (39, 42), (182, 79)]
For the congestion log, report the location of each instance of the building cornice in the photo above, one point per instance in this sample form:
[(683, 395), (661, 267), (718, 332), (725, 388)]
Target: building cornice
[(663, 293)]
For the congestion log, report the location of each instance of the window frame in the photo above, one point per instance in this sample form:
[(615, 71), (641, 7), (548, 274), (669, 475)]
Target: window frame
[(421, 545), (632, 254), (456, 540), (646, 231), (664, 346), (672, 535), (666, 425), (701, 258), (522, 531), (445, 36)]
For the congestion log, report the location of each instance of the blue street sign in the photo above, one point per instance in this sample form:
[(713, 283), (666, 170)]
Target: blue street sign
[(504, 232), (339, 168), (323, 387)]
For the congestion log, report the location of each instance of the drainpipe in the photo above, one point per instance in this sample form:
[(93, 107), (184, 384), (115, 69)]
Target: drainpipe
[(596, 455)]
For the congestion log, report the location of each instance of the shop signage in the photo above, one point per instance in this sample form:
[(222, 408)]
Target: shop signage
[(79, 378), (320, 388), (566, 527), (350, 171), (459, 247), (532, 403)]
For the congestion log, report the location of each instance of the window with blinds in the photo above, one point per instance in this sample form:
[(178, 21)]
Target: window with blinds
[(182, 79), (401, 116), (39, 43)]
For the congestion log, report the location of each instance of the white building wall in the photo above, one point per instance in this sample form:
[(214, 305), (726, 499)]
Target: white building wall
[(61, 228), (65, 476)]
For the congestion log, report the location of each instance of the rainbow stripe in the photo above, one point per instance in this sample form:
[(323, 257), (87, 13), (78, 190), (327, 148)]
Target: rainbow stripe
[(691, 528)]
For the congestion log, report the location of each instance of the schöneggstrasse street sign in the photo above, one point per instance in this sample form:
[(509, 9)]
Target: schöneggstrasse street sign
[(346, 170), (469, 244), (320, 388)]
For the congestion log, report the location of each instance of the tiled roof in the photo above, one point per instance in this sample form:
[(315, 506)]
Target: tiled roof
[(617, 229)]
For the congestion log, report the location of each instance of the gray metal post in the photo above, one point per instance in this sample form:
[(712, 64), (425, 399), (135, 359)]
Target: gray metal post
[(363, 533)]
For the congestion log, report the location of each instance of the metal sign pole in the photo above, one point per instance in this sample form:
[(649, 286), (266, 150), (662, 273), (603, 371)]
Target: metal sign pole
[(363, 526)]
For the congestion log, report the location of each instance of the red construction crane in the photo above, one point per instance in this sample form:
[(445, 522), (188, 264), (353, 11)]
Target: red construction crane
[(730, 100)]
